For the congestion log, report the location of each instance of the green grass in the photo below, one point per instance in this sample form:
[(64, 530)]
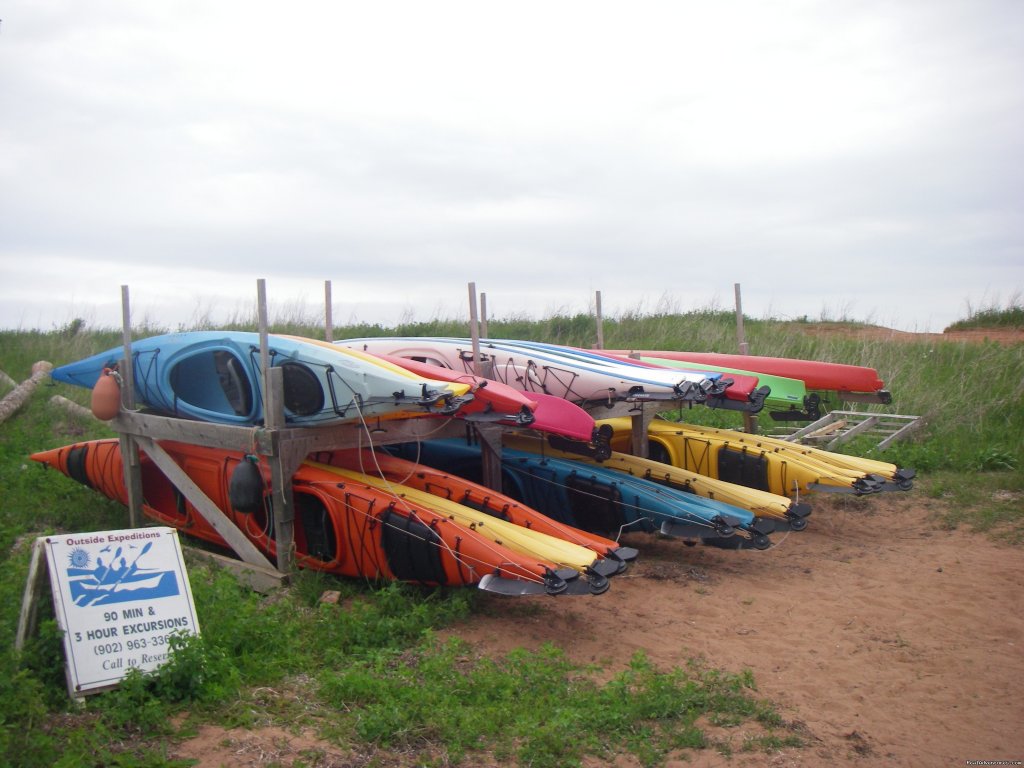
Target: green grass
[(370, 673)]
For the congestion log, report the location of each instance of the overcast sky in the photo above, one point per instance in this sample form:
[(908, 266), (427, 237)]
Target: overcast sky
[(839, 159)]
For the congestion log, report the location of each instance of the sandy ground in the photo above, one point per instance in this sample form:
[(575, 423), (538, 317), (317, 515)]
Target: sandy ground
[(881, 639)]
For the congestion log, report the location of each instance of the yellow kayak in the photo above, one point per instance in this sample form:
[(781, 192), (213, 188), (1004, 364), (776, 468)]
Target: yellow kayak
[(781, 473), (515, 537), (896, 478)]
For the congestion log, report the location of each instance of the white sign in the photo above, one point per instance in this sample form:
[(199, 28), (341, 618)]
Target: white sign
[(118, 596)]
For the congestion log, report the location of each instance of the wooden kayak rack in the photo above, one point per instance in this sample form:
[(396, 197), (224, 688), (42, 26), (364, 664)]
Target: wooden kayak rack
[(284, 447)]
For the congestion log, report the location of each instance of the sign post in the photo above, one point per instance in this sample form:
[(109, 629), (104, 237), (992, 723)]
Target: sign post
[(118, 596)]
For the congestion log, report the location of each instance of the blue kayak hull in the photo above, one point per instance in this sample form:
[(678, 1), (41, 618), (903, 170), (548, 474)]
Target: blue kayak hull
[(591, 497), (216, 376)]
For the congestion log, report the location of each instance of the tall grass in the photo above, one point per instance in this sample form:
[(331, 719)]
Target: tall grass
[(993, 315)]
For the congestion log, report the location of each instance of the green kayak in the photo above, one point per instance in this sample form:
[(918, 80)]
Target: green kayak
[(786, 394)]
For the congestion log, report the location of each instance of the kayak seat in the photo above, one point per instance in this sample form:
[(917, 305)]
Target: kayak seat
[(412, 549), (236, 385), (314, 531), (658, 452), (743, 468), (303, 394), (430, 361), (213, 381), (596, 506)]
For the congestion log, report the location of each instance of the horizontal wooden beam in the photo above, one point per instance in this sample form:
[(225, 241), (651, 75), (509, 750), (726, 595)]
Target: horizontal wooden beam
[(269, 442)]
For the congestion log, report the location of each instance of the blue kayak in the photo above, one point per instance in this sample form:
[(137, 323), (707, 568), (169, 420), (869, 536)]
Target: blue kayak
[(597, 499), (216, 376)]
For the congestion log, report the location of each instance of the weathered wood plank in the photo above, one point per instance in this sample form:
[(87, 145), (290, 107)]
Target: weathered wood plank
[(28, 618), (262, 579), (17, 397), (71, 407), (226, 436), (281, 472)]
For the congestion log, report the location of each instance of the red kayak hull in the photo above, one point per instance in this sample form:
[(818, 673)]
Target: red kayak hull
[(741, 389), (815, 374)]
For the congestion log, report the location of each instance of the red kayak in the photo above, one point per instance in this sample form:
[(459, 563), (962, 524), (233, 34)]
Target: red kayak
[(815, 374)]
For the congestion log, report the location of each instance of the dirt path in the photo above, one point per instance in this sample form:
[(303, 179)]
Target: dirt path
[(886, 641), (882, 640)]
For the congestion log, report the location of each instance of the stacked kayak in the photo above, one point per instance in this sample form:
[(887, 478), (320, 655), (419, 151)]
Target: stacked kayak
[(350, 524), (786, 399), (216, 376), (525, 541), (750, 460), (533, 369), (495, 401), (854, 382), (593, 498), (737, 390), (455, 488), (887, 475), (787, 514)]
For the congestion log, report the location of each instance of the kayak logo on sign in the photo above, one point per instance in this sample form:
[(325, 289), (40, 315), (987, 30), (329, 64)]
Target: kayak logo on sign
[(100, 576)]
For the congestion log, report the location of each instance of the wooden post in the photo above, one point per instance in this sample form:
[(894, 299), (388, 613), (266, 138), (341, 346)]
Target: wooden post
[(28, 619), (489, 436), (261, 319), (483, 316), (328, 312), (474, 330), (281, 479), (639, 424), (639, 445), (749, 420), (740, 337), (129, 446), (600, 320), (490, 454), (273, 419)]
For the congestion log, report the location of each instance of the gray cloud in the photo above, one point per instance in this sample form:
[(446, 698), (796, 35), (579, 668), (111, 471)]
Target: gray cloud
[(831, 159)]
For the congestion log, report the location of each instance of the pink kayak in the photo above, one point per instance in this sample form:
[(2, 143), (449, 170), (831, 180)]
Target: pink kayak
[(549, 413)]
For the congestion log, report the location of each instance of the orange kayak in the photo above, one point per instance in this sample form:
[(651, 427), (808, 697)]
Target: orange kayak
[(479, 497), (341, 526)]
